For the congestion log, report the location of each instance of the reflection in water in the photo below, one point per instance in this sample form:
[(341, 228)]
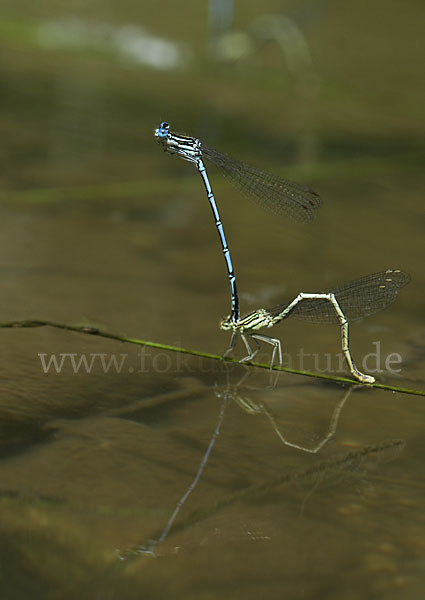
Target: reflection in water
[(231, 526), (149, 548), (253, 407), (254, 531)]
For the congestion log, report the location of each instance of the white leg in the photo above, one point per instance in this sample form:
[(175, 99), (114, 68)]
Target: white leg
[(346, 349), (232, 344), (274, 342), (344, 330), (251, 353)]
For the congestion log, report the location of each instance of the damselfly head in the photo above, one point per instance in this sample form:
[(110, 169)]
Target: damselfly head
[(162, 131), (227, 323)]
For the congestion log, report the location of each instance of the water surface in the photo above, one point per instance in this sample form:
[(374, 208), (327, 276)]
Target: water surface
[(101, 229)]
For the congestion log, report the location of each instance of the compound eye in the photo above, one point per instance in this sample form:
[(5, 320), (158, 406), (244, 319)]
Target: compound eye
[(225, 324), (162, 131)]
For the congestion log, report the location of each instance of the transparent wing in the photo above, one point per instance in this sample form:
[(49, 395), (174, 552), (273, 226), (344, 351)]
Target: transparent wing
[(279, 195), (357, 299)]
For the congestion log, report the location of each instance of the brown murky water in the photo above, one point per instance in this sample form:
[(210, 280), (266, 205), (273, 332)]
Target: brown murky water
[(310, 489)]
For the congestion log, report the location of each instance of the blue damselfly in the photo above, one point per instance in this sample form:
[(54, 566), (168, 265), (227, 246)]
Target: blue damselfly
[(279, 195)]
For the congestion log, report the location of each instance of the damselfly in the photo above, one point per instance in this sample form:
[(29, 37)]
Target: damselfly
[(343, 305), (279, 195)]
